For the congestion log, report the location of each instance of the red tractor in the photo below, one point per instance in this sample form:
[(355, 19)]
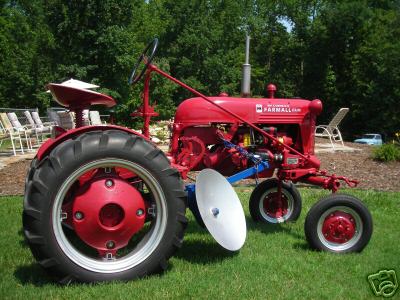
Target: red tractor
[(104, 203)]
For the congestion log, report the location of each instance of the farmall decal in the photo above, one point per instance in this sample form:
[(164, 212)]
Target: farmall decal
[(277, 108)]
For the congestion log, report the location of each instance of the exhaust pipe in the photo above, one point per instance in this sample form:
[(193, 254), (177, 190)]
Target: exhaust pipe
[(246, 71)]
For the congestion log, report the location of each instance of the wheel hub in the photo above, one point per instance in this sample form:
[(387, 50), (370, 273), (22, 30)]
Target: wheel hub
[(111, 215), (105, 214), (275, 207), (339, 227)]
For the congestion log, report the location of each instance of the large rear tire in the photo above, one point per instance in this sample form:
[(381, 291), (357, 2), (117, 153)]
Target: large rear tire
[(76, 175)]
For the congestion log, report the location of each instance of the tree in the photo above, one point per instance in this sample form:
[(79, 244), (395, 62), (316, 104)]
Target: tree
[(343, 52), (24, 45)]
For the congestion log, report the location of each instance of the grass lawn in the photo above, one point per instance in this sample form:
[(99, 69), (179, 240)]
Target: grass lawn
[(6, 146), (275, 262)]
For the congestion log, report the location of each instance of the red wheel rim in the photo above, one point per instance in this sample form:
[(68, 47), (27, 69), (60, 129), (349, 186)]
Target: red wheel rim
[(105, 222), (275, 207), (339, 227), (275, 210), (107, 212)]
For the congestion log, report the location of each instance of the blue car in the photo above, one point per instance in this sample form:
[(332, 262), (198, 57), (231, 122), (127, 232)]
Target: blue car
[(370, 139)]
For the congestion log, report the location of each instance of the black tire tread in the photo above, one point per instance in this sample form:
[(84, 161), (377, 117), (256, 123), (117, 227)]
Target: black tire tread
[(267, 184), (68, 152), (310, 225)]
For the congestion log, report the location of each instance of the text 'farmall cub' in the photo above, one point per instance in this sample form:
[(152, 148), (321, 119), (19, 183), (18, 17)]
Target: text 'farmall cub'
[(104, 203)]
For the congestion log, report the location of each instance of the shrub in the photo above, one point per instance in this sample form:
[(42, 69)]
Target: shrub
[(387, 152)]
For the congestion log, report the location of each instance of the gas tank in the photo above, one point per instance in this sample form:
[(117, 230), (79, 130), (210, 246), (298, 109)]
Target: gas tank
[(197, 111)]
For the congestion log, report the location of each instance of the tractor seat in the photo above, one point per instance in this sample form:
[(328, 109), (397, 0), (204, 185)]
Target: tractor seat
[(74, 98)]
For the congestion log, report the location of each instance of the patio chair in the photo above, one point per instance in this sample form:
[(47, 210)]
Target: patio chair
[(53, 116), (39, 122), (25, 130), (85, 115), (331, 130), (95, 118), (66, 120), (8, 132), (40, 129)]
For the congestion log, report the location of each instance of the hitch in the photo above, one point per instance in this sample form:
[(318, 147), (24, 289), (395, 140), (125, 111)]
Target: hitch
[(329, 182)]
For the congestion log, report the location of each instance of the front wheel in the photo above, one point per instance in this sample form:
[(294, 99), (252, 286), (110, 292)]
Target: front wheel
[(266, 206), (104, 206), (338, 223)]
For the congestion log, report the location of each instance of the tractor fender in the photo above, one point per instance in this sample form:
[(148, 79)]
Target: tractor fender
[(50, 144)]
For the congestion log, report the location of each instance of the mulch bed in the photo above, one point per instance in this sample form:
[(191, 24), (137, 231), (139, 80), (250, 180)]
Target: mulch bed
[(359, 165), (12, 178), (355, 165)]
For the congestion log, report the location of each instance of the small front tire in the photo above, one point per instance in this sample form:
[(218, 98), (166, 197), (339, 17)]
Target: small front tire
[(338, 223), (265, 207)]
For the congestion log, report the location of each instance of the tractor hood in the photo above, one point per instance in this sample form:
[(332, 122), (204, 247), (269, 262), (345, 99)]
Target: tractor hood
[(197, 111)]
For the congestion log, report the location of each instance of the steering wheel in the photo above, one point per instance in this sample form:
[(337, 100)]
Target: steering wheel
[(146, 57)]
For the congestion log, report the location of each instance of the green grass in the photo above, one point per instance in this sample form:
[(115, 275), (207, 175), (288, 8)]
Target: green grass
[(275, 262), (6, 145)]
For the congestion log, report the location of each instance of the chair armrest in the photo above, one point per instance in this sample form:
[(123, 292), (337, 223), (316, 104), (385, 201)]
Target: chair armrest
[(11, 131), (28, 127), (323, 132), (49, 123)]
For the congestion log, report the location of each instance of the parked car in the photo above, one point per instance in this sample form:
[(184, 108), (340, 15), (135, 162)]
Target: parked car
[(370, 139)]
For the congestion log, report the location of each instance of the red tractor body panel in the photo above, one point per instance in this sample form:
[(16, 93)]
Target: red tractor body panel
[(194, 133), (197, 111)]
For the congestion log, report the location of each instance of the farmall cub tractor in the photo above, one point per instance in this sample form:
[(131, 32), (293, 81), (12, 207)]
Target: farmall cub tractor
[(104, 203)]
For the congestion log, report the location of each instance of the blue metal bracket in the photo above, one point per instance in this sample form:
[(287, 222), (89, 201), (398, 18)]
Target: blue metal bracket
[(248, 172), (190, 188)]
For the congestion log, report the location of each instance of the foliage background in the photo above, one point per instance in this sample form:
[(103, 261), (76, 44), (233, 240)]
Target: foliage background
[(346, 53)]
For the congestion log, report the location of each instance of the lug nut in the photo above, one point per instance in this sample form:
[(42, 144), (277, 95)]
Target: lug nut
[(139, 212), (110, 245), (109, 183), (79, 215)]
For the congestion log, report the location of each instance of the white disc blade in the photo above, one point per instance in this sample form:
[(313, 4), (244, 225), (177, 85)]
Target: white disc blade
[(220, 209)]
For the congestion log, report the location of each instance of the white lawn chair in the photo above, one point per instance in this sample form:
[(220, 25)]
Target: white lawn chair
[(53, 116), (39, 128), (95, 118), (66, 120), (85, 117), (7, 131), (39, 123), (25, 131), (331, 130)]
